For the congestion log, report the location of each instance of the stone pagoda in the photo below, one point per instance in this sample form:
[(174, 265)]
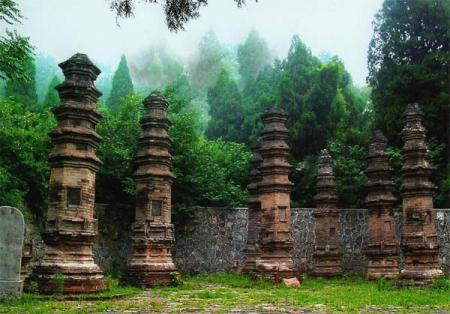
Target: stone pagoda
[(253, 247), (382, 251), (152, 230), (68, 264), (419, 237), (275, 262), (328, 252)]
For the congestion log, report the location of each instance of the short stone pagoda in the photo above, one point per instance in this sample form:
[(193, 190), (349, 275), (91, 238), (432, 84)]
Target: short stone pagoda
[(68, 264), (253, 246), (382, 252), (419, 237), (328, 252), (152, 230), (275, 262)]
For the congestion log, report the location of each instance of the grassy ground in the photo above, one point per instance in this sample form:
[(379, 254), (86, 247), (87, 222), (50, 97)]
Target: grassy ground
[(223, 293)]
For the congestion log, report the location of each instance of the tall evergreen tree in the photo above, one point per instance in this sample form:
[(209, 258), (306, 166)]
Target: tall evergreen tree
[(24, 91), (52, 97), (122, 86), (408, 62), (209, 63), (253, 55), (225, 109)]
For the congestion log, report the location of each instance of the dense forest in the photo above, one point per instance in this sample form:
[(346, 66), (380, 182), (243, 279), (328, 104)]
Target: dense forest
[(216, 100)]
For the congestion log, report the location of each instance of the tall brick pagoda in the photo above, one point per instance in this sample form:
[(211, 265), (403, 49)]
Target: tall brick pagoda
[(419, 237), (152, 230), (328, 252), (275, 262), (253, 247), (382, 252), (70, 227)]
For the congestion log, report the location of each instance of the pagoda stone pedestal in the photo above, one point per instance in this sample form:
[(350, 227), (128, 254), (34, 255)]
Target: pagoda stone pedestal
[(68, 264), (253, 246), (382, 251), (328, 252), (419, 237), (152, 230), (275, 262)]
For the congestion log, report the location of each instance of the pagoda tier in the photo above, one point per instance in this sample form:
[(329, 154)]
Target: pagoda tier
[(381, 252), (152, 230), (68, 264), (328, 252), (419, 237)]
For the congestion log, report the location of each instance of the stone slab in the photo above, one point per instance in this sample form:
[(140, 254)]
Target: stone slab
[(11, 242)]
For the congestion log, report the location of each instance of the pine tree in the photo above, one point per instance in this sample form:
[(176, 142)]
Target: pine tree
[(122, 86), (24, 91), (52, 97)]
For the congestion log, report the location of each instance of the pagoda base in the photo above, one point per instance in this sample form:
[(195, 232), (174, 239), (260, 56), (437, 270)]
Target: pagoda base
[(150, 274), (383, 268), (68, 278), (327, 271), (419, 277), (276, 271)]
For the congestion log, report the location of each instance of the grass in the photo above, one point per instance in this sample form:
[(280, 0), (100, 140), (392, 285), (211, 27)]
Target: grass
[(221, 293)]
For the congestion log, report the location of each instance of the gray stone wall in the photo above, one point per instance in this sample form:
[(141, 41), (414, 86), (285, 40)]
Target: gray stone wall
[(214, 239)]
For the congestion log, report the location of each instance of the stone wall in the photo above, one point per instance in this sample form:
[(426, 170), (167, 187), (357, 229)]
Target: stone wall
[(214, 239)]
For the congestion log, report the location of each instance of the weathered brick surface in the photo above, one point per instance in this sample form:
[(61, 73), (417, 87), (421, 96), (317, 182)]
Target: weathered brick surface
[(327, 251), (419, 237), (152, 231), (275, 259), (382, 249), (70, 225)]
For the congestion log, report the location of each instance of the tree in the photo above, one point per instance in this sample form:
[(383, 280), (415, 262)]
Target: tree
[(15, 50), (225, 109), (52, 96), (178, 12), (24, 172), (122, 86), (253, 55), (24, 91), (210, 61), (408, 62)]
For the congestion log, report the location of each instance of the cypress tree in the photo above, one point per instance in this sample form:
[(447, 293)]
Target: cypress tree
[(52, 97), (122, 86), (24, 91)]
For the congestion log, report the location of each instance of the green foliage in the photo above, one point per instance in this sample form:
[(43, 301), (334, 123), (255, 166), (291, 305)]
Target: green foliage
[(210, 61), (122, 86), (253, 55), (408, 62), (225, 109), (120, 132), (25, 145), (24, 91), (52, 96), (15, 50), (59, 282), (209, 172)]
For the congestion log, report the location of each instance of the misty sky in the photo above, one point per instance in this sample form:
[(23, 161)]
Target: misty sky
[(62, 27)]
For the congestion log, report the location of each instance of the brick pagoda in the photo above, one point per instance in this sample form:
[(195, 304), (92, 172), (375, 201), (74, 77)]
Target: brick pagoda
[(152, 230), (419, 237), (253, 247), (328, 252), (382, 252), (275, 262), (70, 227)]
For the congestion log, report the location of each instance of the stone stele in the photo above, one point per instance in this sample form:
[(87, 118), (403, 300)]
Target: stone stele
[(11, 241)]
